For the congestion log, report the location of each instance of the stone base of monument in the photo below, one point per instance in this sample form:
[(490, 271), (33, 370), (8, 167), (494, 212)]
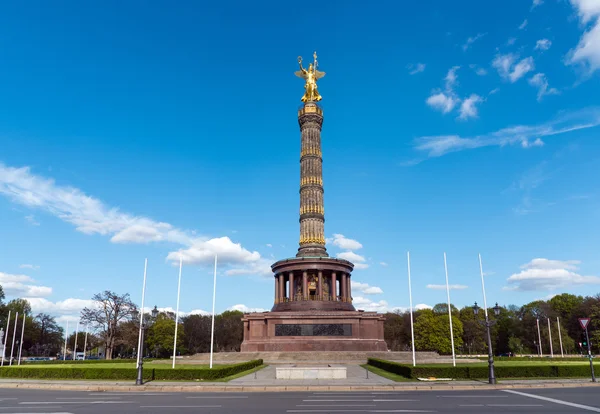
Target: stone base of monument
[(309, 331), (304, 373)]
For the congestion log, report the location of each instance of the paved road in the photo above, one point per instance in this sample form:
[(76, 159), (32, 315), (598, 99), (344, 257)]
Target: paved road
[(566, 400)]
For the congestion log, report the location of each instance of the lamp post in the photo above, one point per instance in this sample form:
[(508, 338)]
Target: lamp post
[(488, 324), (140, 372)]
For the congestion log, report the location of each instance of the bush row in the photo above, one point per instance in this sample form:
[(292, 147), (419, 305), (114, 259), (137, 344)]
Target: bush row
[(538, 359), (87, 361), (479, 372), (99, 373)]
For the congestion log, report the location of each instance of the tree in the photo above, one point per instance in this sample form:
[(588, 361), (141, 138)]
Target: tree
[(196, 330), (108, 312), (432, 332), (160, 336), (19, 305)]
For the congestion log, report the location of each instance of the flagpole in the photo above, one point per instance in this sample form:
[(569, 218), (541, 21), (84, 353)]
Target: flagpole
[(177, 310), (483, 288), (212, 329), (412, 328), (137, 365), (541, 353), (449, 312), (87, 327), (66, 338), (13, 339), (75, 346), (5, 338), (22, 332), (550, 338), (562, 355)]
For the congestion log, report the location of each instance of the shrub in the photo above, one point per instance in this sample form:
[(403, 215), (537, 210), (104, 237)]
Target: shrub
[(523, 370), (99, 373)]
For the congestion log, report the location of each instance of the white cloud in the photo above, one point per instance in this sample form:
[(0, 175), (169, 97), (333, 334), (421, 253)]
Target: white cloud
[(537, 3), (511, 41), (422, 306), (540, 81), (451, 78), (472, 40), (269, 245), (22, 285), (479, 71), (245, 309), (29, 266), (523, 25), (31, 219), (384, 264), (521, 69), (436, 146), (494, 91), (442, 102), (587, 51), (366, 288), (69, 306), (417, 68), (468, 108), (443, 287), (368, 305), (543, 44), (345, 243), (90, 216), (358, 260), (507, 69), (544, 274)]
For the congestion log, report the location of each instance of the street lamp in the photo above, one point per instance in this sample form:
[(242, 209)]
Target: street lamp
[(488, 324), (140, 372)]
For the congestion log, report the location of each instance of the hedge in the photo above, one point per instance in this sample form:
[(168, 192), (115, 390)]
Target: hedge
[(87, 361), (477, 372), (538, 359), (100, 373)]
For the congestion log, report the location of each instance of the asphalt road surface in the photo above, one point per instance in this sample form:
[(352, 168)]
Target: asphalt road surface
[(564, 400)]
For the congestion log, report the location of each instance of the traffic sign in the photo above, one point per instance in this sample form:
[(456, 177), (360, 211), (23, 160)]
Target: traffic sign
[(584, 322)]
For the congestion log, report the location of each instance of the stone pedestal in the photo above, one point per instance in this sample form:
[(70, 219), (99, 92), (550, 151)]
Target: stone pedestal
[(304, 331)]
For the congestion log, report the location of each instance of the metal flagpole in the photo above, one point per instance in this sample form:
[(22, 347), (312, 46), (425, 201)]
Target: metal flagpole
[(177, 310), (87, 327), (449, 312), (142, 315), (13, 340), (550, 338), (212, 329), (21, 345), (539, 337), (562, 354), (75, 346), (412, 329), (5, 338), (66, 338), (483, 288)]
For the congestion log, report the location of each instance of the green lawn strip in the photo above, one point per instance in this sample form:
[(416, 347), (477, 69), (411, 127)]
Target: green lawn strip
[(504, 370), (225, 379), (386, 374), (121, 372), (149, 365)]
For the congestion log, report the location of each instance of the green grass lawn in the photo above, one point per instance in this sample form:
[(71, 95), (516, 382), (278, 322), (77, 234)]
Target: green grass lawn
[(124, 365)]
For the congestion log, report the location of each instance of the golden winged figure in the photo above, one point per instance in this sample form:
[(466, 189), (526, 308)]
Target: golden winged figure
[(310, 75)]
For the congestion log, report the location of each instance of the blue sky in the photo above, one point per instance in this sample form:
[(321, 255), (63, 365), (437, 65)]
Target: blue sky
[(138, 130)]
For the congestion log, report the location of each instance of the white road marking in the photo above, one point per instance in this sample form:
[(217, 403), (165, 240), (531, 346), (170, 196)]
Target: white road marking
[(514, 405), (570, 404), (354, 400), (225, 397), (180, 406), (129, 393), (74, 402), (472, 396), (359, 411), (336, 405), (381, 400), (54, 412), (83, 398)]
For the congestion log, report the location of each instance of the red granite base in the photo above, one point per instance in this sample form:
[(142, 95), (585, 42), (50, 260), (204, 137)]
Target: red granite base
[(365, 333)]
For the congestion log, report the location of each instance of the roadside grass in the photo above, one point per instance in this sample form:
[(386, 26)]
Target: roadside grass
[(386, 374), (125, 365)]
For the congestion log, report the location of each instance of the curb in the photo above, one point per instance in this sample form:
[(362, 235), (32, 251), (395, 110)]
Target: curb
[(280, 388)]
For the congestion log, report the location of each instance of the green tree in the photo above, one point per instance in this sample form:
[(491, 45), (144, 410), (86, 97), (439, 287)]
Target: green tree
[(160, 337), (432, 332)]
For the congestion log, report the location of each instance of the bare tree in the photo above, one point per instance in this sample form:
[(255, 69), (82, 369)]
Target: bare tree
[(109, 312)]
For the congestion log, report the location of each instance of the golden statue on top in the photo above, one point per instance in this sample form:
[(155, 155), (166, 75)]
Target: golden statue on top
[(310, 75)]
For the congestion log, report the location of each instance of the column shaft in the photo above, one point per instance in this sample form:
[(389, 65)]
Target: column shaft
[(343, 287), (281, 287), (292, 290), (349, 288), (276, 289), (333, 291), (305, 285), (320, 285)]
